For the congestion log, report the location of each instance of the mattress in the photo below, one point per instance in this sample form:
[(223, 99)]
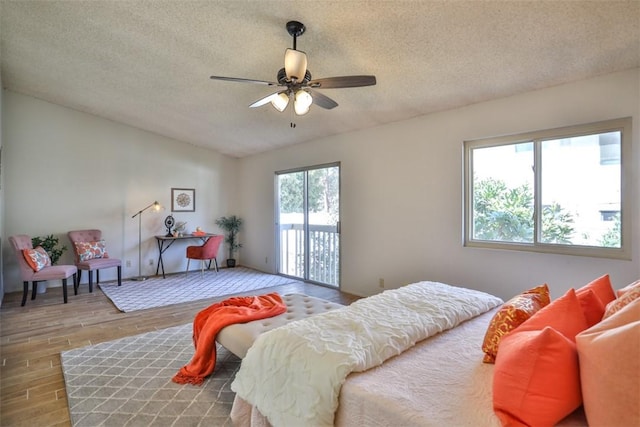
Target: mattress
[(440, 381)]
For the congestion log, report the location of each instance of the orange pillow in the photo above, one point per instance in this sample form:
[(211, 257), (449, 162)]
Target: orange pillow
[(602, 288), (511, 315), (591, 306), (536, 380), (37, 258), (610, 368), (564, 314)]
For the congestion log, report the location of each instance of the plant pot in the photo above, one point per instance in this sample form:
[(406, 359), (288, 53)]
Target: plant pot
[(231, 262), (42, 287)]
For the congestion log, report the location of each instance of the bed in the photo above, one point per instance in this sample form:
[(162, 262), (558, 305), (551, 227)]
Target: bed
[(439, 380)]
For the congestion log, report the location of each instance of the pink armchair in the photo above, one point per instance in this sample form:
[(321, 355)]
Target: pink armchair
[(91, 263), (52, 272)]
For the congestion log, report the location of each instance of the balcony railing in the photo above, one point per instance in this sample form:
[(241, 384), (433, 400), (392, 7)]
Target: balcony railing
[(324, 252)]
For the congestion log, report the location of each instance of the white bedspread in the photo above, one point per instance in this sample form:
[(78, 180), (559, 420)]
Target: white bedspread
[(302, 365)]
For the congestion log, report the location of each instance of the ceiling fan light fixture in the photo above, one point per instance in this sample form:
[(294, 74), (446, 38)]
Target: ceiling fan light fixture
[(302, 102), (280, 101), (295, 64)]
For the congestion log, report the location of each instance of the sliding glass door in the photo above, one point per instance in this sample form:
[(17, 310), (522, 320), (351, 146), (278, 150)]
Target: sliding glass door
[(308, 223)]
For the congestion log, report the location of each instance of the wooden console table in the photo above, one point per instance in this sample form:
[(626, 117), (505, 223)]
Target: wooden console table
[(164, 242)]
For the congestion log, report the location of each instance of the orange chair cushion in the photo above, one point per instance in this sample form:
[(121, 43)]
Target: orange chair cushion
[(91, 250), (37, 258), (610, 368), (536, 378), (511, 315)]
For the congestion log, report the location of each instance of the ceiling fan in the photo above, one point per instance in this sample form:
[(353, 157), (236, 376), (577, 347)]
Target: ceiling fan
[(295, 79)]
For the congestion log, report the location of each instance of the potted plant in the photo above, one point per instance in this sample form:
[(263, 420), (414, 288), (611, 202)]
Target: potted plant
[(231, 224), (50, 245)]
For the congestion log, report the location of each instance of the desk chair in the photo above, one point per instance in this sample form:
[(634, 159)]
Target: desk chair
[(208, 251)]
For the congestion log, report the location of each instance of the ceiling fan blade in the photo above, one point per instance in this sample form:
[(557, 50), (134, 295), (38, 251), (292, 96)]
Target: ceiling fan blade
[(321, 100), (262, 101), (270, 98), (239, 80), (344, 81)]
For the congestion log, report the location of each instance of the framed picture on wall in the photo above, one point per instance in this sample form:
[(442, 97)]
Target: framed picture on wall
[(183, 200)]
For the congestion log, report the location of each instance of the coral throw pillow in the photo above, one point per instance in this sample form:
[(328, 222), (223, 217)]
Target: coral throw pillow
[(592, 306), (610, 368), (602, 288), (511, 315), (37, 258), (91, 250), (536, 380), (564, 314)]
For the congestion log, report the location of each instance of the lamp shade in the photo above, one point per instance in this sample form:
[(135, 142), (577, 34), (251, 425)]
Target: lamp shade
[(295, 64), (280, 101), (302, 102)]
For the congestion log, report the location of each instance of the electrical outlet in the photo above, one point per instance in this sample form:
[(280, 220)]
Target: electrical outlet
[(128, 263), (381, 283), (150, 262)]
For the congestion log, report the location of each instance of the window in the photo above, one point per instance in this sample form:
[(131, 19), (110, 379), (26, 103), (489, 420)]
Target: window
[(558, 191)]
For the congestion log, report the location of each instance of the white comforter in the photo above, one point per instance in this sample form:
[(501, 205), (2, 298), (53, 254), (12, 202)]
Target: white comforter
[(293, 374)]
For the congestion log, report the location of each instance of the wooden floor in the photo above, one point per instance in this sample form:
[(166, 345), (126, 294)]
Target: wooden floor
[(32, 390)]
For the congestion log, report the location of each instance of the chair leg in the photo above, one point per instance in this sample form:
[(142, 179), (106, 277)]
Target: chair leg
[(64, 290), (119, 275), (215, 264), (25, 291), (202, 268), (79, 276), (34, 290), (97, 277), (76, 282), (90, 281), (188, 261)]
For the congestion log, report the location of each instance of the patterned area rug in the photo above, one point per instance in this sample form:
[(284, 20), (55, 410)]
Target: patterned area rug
[(177, 288), (128, 382)]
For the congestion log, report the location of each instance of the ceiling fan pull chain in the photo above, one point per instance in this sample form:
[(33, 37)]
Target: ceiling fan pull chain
[(292, 123)]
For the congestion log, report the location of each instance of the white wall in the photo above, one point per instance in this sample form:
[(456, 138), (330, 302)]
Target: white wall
[(402, 190), (67, 170), (2, 239)]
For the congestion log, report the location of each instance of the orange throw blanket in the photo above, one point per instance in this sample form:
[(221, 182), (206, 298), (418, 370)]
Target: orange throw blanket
[(212, 319)]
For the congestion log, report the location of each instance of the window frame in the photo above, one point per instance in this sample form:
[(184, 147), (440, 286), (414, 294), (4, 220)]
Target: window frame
[(623, 125)]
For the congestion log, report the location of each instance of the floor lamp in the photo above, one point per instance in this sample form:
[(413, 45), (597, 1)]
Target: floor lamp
[(156, 207)]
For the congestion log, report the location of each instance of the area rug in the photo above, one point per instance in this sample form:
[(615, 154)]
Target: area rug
[(127, 382), (177, 288)]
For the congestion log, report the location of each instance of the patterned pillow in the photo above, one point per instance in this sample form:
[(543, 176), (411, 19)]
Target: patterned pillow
[(91, 250), (627, 288), (511, 315), (631, 293), (37, 258)]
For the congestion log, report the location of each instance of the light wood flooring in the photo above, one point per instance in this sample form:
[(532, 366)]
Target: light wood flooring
[(32, 390)]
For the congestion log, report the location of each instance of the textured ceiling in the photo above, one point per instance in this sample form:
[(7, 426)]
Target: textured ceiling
[(147, 63)]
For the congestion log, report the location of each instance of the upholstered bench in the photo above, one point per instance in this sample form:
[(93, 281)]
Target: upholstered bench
[(239, 337)]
